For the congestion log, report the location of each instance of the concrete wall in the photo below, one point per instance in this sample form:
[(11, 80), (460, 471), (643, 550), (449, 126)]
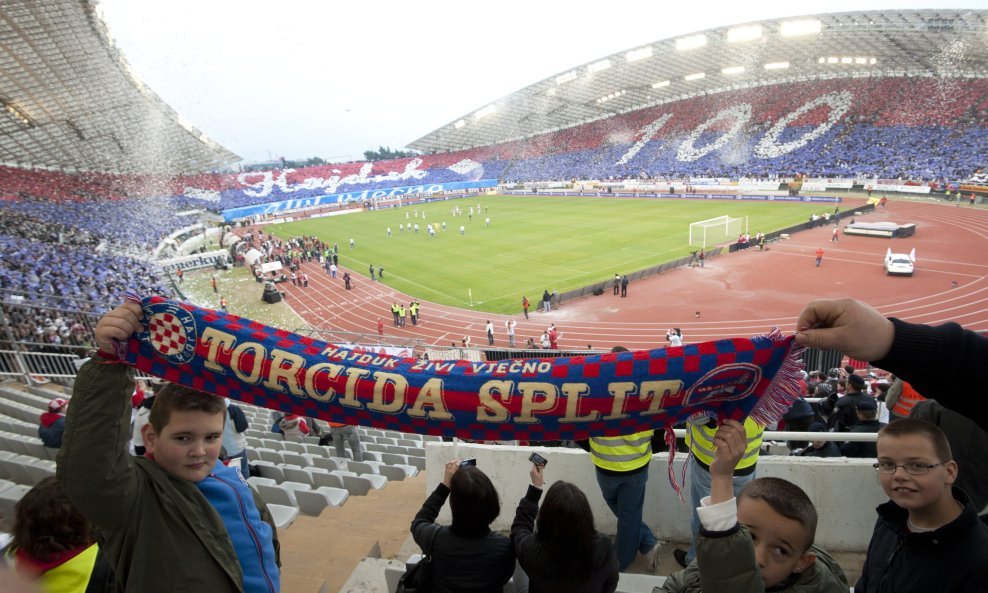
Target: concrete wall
[(845, 491)]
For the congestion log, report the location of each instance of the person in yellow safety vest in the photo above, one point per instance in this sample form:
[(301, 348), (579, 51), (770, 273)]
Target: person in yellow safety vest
[(700, 438), (622, 472)]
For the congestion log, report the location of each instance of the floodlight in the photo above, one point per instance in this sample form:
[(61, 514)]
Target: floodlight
[(639, 54), (732, 70), (779, 65), (746, 33), (696, 76), (691, 42), (846, 60), (873, 61), (801, 27), (563, 78), (484, 111), (459, 124), (860, 60), (833, 60), (660, 84), (598, 66)]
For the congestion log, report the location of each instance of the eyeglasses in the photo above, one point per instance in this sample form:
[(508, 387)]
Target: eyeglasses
[(913, 468)]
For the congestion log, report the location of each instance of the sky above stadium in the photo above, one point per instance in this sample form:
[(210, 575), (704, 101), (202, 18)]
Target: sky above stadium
[(302, 78)]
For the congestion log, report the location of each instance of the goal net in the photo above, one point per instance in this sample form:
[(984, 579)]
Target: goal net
[(716, 230)]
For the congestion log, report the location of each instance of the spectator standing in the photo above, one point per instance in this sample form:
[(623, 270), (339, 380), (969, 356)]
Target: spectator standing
[(213, 282), (845, 411), (346, 280), (621, 467), (553, 335), (332, 271), (819, 256), (338, 433), (525, 305), (180, 273), (234, 439), (617, 284), (380, 328), (489, 328), (414, 311), (624, 286), (509, 327), (835, 236), (546, 303), (675, 337)]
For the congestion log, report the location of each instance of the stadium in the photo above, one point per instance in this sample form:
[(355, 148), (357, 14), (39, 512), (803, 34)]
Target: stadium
[(719, 181)]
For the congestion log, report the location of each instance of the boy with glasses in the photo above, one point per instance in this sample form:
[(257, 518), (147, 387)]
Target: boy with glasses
[(928, 536)]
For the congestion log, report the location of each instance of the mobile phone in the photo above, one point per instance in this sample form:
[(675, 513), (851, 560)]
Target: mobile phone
[(466, 462), (538, 459)]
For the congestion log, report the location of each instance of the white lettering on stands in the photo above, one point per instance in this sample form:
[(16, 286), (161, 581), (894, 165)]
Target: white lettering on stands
[(267, 182)]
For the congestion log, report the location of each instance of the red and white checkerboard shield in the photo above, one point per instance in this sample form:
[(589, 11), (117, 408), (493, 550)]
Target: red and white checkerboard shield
[(167, 334)]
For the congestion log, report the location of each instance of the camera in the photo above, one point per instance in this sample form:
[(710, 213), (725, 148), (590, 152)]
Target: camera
[(469, 462), (538, 459)]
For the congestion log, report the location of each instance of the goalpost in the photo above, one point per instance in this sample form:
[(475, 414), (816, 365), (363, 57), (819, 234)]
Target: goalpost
[(716, 230)]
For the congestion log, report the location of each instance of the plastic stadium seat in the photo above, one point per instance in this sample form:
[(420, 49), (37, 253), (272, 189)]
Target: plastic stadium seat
[(331, 480), (272, 443), (394, 459), (418, 462), (357, 485), (40, 470), (312, 502), (272, 455), (9, 497), (299, 475), (387, 441), (416, 451), (293, 447), (276, 494), (431, 438), (397, 449), (396, 473), (295, 458), (255, 481), (372, 456), (252, 455), (318, 450), (377, 481), (375, 447), (13, 469), (330, 463), (362, 467), (283, 515), (409, 443), (293, 486), (272, 471)]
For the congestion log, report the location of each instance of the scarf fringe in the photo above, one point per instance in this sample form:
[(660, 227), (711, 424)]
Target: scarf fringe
[(784, 389)]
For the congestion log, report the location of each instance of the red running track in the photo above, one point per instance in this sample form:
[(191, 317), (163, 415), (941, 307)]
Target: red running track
[(740, 294)]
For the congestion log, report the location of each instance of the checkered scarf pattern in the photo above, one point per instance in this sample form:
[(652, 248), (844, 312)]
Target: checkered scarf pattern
[(522, 399)]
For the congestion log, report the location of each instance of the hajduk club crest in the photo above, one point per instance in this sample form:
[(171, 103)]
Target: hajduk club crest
[(171, 331)]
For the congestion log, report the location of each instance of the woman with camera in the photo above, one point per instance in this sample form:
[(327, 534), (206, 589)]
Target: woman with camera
[(467, 557), (557, 545)]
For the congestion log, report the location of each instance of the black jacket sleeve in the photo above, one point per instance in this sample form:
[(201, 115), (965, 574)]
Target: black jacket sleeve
[(425, 520), (240, 422), (941, 362)]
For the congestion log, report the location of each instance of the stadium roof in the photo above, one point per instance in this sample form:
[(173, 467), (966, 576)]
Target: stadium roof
[(69, 101), (940, 43)]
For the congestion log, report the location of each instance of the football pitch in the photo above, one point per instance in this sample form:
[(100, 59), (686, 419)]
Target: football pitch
[(532, 244)]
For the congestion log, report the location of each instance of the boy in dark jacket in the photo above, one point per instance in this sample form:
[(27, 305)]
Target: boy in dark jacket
[(177, 518), (762, 540), (928, 536)]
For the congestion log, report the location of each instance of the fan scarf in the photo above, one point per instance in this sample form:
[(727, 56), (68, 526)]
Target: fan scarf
[(534, 399)]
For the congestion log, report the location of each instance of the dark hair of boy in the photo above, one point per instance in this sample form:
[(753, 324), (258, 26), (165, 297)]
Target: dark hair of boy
[(906, 426), (788, 500), (565, 524), (473, 501), (177, 398), (47, 525)]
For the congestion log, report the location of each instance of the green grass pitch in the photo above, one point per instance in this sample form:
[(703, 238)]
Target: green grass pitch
[(532, 243)]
